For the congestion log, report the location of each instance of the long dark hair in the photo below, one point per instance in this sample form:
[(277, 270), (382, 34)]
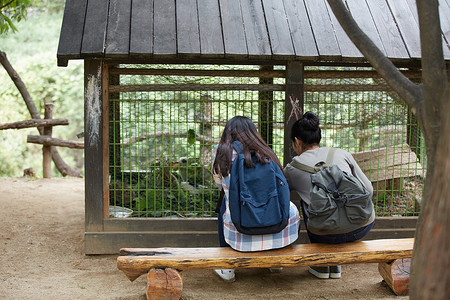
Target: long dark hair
[(242, 129), (307, 129)]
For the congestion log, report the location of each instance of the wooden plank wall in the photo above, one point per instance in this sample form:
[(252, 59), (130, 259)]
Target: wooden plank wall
[(95, 24), (326, 40), (187, 32), (408, 26), (141, 28), (233, 28), (389, 163), (72, 30), (387, 29), (138, 233), (256, 36), (277, 27), (211, 38), (118, 31), (239, 29), (164, 35)]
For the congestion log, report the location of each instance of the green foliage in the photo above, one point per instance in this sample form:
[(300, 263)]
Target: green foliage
[(191, 136), (46, 83), (168, 188), (11, 12), (49, 6), (14, 11)]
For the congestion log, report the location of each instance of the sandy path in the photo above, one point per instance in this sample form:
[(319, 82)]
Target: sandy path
[(41, 244)]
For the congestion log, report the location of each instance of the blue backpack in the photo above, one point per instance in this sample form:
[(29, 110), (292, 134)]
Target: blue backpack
[(259, 197)]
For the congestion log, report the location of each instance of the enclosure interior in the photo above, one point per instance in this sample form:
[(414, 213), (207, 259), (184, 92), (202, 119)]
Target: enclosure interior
[(164, 121)]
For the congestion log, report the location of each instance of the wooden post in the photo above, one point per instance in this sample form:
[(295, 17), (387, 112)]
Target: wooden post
[(204, 117), (47, 150), (413, 132), (396, 275), (93, 149), (164, 284), (114, 122), (265, 101), (293, 104)]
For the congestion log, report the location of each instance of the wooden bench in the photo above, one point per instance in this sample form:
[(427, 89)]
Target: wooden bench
[(163, 264)]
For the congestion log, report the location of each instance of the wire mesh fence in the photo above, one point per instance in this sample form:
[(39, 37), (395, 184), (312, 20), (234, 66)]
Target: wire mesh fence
[(165, 120), (362, 116)]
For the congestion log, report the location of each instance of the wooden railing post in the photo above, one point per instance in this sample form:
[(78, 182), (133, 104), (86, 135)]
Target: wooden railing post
[(294, 103), (47, 150)]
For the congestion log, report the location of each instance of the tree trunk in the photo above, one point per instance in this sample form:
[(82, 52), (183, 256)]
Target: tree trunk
[(430, 278), (405, 88), (60, 164)]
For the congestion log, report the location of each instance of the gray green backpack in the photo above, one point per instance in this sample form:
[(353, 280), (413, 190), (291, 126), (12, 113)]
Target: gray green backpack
[(339, 202)]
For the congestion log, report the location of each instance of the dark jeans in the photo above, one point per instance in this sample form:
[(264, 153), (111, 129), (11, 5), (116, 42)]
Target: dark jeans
[(222, 241), (336, 238)]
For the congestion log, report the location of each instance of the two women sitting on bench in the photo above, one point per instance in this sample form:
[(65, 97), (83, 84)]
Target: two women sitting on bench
[(306, 136)]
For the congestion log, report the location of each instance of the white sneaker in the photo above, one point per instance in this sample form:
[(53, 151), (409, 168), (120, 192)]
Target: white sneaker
[(275, 270), (226, 274), (335, 272), (320, 272)]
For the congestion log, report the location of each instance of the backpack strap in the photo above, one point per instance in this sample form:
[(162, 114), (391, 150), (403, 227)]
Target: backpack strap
[(238, 147), (303, 167), (330, 157), (317, 166)]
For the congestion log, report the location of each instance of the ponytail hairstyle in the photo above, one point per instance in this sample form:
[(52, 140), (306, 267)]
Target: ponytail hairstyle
[(242, 129), (307, 130)]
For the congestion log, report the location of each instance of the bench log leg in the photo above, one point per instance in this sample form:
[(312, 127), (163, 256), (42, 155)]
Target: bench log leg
[(164, 284), (396, 275)]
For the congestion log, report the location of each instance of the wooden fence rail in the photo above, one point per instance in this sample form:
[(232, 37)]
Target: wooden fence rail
[(34, 123), (46, 139), (49, 141)]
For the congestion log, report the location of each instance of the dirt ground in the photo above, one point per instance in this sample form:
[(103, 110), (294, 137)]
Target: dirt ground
[(42, 226)]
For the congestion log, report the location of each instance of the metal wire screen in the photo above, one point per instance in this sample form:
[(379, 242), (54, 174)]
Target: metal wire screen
[(161, 139), (164, 123), (362, 116)]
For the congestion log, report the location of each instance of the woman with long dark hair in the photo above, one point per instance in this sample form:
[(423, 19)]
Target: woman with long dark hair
[(306, 136), (243, 130)]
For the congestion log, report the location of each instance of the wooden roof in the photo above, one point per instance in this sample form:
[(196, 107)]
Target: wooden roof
[(230, 30)]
